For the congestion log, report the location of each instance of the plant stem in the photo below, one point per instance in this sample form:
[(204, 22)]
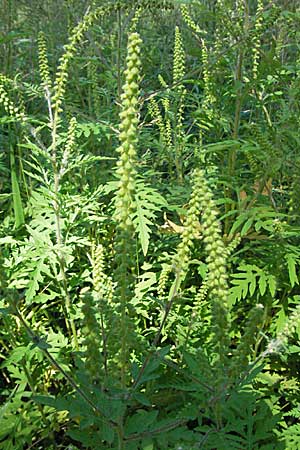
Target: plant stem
[(54, 120), (41, 344), (232, 154)]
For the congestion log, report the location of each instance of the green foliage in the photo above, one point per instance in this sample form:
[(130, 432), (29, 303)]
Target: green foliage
[(147, 202), (149, 235)]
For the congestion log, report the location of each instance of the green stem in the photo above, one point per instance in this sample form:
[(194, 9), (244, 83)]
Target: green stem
[(54, 120), (126, 250), (232, 155)]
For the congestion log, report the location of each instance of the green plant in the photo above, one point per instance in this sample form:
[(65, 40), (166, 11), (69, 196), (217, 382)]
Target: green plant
[(149, 268)]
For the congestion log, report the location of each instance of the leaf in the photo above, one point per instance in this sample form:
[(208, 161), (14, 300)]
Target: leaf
[(142, 227), (141, 398), (148, 279), (36, 279), (140, 421), (8, 240), (252, 285), (48, 400), (292, 262), (5, 196), (147, 202), (291, 437), (247, 225), (237, 224), (17, 202), (262, 283), (272, 285), (281, 320)]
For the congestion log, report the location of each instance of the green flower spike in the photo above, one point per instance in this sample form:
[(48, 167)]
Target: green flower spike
[(128, 134), (216, 281)]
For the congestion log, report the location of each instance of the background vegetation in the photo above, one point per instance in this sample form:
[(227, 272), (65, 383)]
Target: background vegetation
[(150, 224)]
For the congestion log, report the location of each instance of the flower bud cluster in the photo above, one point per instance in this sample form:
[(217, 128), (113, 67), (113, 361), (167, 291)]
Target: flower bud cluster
[(153, 4), (167, 134), (178, 74), (239, 15), (70, 50), (163, 279), (233, 244), (128, 133), (240, 360), (253, 163), (135, 19), (191, 227), (214, 245), (92, 340), (188, 20), (162, 81), (157, 117), (43, 61), (164, 126), (179, 57), (256, 39), (221, 27), (12, 110), (279, 45), (102, 283), (180, 115), (201, 294), (216, 261), (209, 97), (69, 146), (92, 75), (168, 127)]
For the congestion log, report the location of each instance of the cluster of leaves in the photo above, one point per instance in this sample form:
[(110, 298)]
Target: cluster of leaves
[(108, 338)]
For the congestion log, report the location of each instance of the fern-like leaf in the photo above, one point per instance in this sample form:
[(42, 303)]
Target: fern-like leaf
[(147, 202)]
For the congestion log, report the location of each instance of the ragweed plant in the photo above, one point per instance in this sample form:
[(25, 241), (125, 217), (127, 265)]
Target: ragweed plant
[(61, 76), (191, 228), (215, 284), (178, 75), (124, 201), (209, 87), (185, 385), (163, 122), (171, 122), (94, 98), (209, 98), (55, 93), (163, 279), (164, 128)]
